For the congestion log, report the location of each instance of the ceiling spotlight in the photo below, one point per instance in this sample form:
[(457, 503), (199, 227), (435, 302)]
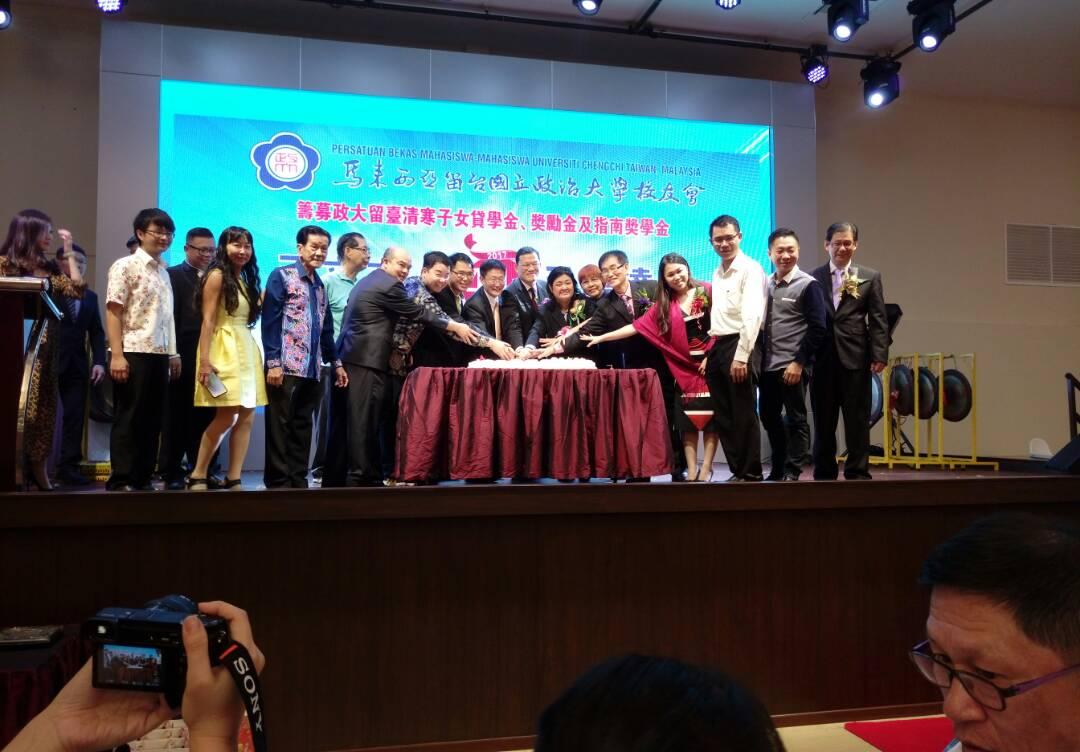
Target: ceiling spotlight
[(5, 14), (588, 7), (932, 21), (846, 16), (728, 4), (815, 64), (110, 6), (881, 82)]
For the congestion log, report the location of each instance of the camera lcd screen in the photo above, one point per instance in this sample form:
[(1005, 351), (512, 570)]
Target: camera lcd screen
[(129, 666)]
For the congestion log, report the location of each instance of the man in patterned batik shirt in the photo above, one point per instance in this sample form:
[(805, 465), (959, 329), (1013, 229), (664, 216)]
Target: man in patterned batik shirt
[(297, 331)]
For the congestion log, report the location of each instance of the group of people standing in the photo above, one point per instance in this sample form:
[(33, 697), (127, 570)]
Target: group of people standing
[(186, 367)]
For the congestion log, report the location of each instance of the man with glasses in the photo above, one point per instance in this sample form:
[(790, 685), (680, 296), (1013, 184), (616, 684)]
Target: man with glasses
[(732, 364), (143, 359), (856, 344), (528, 291), (184, 423), (1004, 634), (625, 301)]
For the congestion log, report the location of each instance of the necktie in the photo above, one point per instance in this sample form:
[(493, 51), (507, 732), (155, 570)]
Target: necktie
[(629, 302), (72, 307), (838, 287), (457, 299), (532, 297), (498, 323)]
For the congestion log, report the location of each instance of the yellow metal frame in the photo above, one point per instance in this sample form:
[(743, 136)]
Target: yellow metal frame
[(938, 458)]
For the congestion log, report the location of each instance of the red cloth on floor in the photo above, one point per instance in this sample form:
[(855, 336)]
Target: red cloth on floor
[(911, 735)]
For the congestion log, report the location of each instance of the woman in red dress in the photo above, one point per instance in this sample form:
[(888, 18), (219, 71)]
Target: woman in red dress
[(678, 326)]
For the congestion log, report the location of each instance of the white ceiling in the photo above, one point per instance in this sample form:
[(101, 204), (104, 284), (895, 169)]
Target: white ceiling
[(1013, 49)]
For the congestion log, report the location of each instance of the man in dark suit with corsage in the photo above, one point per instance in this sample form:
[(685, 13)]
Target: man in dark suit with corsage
[(82, 319), (856, 344), (364, 346)]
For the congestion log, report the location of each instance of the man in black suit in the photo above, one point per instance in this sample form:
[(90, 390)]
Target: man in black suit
[(492, 308), (81, 319), (375, 305), (527, 290), (433, 348), (625, 301), (856, 344), (184, 423)]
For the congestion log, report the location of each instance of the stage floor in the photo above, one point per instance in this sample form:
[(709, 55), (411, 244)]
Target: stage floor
[(1017, 469)]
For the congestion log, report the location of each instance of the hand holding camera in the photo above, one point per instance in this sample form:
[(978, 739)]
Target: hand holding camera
[(165, 652)]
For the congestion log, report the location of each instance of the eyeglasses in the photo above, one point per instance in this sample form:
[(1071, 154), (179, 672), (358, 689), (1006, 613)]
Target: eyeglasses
[(199, 249), (979, 688), (612, 268), (161, 235), (466, 274), (842, 243)]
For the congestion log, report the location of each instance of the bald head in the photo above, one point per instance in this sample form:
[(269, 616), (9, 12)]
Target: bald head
[(397, 262)]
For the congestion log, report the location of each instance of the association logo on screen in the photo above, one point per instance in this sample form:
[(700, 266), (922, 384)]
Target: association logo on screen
[(285, 162)]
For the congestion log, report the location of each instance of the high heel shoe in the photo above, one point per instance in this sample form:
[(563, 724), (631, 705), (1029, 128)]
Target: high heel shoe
[(36, 476), (706, 479)]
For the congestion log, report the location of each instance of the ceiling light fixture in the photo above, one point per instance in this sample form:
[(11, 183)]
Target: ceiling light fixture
[(846, 16), (881, 82), (5, 14), (815, 64), (932, 21), (587, 7), (110, 6), (727, 4)]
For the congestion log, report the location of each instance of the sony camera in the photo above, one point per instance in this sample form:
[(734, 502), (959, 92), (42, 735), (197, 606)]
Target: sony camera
[(143, 648)]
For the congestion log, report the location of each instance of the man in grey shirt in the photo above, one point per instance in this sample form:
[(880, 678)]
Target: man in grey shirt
[(793, 331)]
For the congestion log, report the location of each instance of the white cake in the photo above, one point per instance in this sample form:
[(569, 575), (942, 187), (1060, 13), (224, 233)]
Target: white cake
[(547, 364)]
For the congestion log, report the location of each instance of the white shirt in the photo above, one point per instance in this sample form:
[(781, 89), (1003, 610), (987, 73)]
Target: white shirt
[(739, 303), (140, 284)]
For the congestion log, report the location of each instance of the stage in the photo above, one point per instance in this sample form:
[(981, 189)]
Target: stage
[(400, 616)]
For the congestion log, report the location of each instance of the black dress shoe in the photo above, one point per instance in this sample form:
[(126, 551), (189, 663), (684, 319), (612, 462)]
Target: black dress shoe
[(791, 477), (147, 486), (776, 477), (176, 484), (73, 478)]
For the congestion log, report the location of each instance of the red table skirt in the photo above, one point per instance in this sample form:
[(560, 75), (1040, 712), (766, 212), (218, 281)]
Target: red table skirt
[(460, 423), (31, 677)]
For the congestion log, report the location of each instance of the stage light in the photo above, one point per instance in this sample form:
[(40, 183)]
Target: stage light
[(110, 6), (587, 7), (728, 4), (846, 16), (881, 82), (5, 14), (815, 64), (932, 21)]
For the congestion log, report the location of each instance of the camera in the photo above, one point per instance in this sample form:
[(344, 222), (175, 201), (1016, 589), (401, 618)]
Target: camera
[(142, 649)]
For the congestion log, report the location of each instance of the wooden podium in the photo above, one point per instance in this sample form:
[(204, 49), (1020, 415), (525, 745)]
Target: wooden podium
[(21, 299)]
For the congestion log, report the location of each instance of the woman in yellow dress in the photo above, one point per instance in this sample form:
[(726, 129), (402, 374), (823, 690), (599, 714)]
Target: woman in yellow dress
[(229, 363)]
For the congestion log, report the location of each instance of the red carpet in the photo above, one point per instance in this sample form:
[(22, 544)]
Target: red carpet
[(913, 735)]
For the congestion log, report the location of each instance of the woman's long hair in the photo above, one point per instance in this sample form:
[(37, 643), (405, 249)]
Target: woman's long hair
[(664, 294), (563, 271), (233, 286), (20, 247)]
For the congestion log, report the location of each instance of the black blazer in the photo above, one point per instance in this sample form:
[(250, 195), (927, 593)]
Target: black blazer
[(185, 285), (435, 348), (526, 311), (611, 314), (477, 311), (856, 332), (367, 326), (73, 334), (549, 322)]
